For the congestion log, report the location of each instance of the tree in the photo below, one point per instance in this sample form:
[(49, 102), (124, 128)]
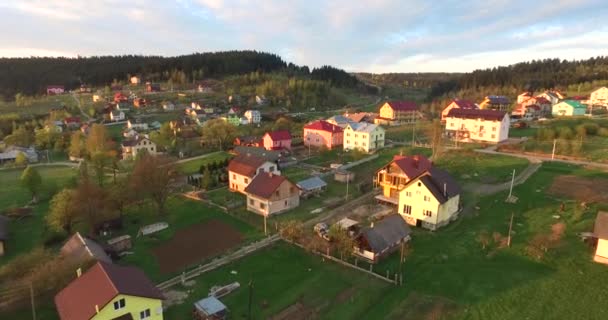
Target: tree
[(99, 146), (291, 230), (152, 177), (206, 179), (91, 201), (120, 195), (435, 134), (77, 149), (30, 179), (63, 213), (282, 123), (342, 241), (20, 159), (220, 131)]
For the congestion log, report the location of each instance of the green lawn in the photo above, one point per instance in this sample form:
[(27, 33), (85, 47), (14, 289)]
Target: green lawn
[(193, 166), (473, 166), (523, 132)]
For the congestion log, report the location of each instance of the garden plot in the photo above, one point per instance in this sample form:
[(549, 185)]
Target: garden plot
[(580, 188)]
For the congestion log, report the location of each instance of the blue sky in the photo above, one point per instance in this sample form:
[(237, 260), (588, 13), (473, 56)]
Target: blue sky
[(357, 35)]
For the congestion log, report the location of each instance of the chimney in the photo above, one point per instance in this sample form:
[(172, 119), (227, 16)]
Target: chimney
[(96, 308), (445, 189), (416, 161), (78, 272), (372, 225)]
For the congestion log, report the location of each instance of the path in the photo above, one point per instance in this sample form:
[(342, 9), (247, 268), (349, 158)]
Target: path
[(198, 157), (80, 107), (531, 158), (488, 189)]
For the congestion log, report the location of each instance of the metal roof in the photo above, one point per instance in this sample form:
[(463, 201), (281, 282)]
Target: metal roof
[(386, 233), (210, 305), (311, 184), (346, 223)]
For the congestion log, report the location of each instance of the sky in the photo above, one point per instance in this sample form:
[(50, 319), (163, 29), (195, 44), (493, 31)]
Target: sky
[(357, 35)]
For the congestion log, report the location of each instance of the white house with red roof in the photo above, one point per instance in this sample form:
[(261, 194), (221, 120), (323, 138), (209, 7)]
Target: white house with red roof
[(54, 89), (527, 112), (541, 102), (270, 194), (243, 168), (457, 104), (470, 125), (398, 112), (277, 140), (322, 133)]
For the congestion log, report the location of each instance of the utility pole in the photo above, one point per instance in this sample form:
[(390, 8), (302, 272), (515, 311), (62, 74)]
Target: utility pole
[(32, 300), (250, 298), (510, 228), (512, 181), (265, 232), (553, 152)]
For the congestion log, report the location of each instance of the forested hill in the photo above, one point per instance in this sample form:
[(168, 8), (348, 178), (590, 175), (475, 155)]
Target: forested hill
[(408, 80), (30, 76), (534, 75)]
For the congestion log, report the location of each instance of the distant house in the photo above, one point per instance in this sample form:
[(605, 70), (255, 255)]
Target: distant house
[(600, 231), (108, 291), (261, 100), (168, 106), (552, 96), (130, 148), (253, 116), (469, 125), (361, 117), (232, 119), (152, 87), (277, 140), (155, 125), (382, 238), (244, 121), (54, 89), (500, 103), (457, 104), (270, 194), (120, 97), (135, 80), (116, 87), (208, 110), (204, 88), (116, 115), (243, 168), (543, 104), (311, 186), (364, 136), (3, 234), (599, 97), (234, 110), (137, 125), (129, 133), (97, 97), (210, 308), (340, 121), (139, 102), (322, 133), (569, 108), (398, 112), (10, 153), (527, 112), (524, 96), (72, 122), (82, 249), (248, 141)]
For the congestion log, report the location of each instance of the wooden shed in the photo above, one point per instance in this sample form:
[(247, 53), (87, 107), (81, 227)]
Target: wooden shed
[(210, 308)]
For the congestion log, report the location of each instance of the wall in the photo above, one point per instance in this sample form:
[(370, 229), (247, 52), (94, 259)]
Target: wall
[(601, 254), (237, 182), (416, 201), (494, 131), (133, 305)]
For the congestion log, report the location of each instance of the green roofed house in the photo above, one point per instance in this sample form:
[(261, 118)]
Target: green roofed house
[(569, 108)]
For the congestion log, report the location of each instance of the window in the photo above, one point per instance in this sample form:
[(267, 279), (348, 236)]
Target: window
[(356, 143), (493, 129), (348, 134), (452, 124), (144, 314), (427, 198), (407, 209), (260, 170), (251, 202), (271, 169), (246, 180), (276, 193), (427, 213), (493, 136), (364, 144), (234, 176), (119, 304), (408, 193), (348, 141), (419, 184), (262, 206), (286, 203), (292, 190)]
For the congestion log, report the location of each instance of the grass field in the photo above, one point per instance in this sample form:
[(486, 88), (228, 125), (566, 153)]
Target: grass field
[(193, 166), (473, 166)]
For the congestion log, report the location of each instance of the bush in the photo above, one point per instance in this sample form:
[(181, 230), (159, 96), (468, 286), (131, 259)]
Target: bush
[(603, 132)]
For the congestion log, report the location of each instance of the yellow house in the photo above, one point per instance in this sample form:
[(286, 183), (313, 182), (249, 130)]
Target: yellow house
[(394, 176), (601, 232), (364, 136), (108, 292), (397, 112)]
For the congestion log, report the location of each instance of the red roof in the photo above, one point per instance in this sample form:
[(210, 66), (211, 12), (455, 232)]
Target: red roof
[(55, 87), (265, 184), (323, 126), (485, 114), (72, 120), (279, 135), (98, 286), (541, 100), (413, 166), (465, 104), (403, 105), (246, 165), (526, 94)]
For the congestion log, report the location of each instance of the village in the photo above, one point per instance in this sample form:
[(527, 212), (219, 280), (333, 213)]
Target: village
[(151, 202)]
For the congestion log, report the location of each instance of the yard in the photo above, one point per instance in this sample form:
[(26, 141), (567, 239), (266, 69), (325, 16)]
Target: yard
[(470, 166), (193, 166)]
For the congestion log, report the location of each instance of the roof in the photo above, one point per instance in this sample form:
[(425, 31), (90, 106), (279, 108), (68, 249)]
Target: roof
[(346, 223), (323, 125), (261, 152), (440, 184), (357, 117), (403, 105), (600, 229), (3, 228), (412, 166), (246, 165), (98, 286), (541, 100), (279, 135), (265, 184), (492, 115), (465, 104), (498, 99), (363, 127), (339, 119), (134, 142), (71, 120), (249, 139), (210, 306), (83, 248), (575, 104), (526, 94), (386, 233), (311, 184)]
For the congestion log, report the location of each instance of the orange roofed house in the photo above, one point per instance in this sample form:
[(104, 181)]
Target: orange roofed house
[(243, 168), (322, 133), (270, 194), (393, 177), (277, 140), (107, 291), (397, 112)]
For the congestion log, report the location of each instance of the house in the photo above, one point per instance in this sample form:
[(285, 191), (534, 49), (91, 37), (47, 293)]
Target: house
[(135, 80), (108, 291), (500, 103), (168, 106), (322, 133), (244, 121), (82, 249), (10, 153), (139, 102), (311, 186), (526, 112), (398, 112), (116, 87), (600, 231), (524, 96), (270, 194), (129, 133), (234, 110), (393, 176), (361, 117), (248, 141), (243, 168), (253, 116), (599, 97), (457, 104), (116, 115), (3, 234), (541, 102), (340, 121), (268, 155), (208, 110), (382, 238), (72, 122), (204, 88), (120, 97), (130, 148), (97, 97), (569, 108), (137, 125), (260, 100), (155, 125), (365, 136), (152, 87), (468, 125), (54, 89), (85, 129), (277, 140), (210, 308), (552, 96)]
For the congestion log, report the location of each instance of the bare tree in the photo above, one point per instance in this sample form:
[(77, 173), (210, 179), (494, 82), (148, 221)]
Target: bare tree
[(153, 176)]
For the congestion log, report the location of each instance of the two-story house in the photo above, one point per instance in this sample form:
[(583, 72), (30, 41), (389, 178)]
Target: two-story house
[(117, 115), (526, 112), (277, 140), (398, 112), (364, 136), (107, 291), (395, 175), (543, 104), (270, 194), (243, 168), (500, 103), (457, 104), (599, 97), (322, 133), (569, 108), (130, 148), (524, 96), (253, 116), (469, 125), (552, 96)]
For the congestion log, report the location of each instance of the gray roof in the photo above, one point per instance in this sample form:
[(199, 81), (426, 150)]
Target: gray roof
[(210, 305), (386, 233), (441, 184), (311, 184), (340, 119), (268, 155), (363, 127), (79, 247), (601, 225), (3, 228)]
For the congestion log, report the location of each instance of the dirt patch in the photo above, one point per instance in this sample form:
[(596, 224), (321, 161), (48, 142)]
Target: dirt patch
[(418, 306), (580, 188), (195, 243), (296, 311)]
